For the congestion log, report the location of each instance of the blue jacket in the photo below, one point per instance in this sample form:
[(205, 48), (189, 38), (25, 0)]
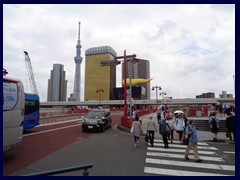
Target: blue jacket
[(162, 128), (192, 137)]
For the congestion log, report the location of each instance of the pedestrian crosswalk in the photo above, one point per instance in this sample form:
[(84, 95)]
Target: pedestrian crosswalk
[(171, 162)]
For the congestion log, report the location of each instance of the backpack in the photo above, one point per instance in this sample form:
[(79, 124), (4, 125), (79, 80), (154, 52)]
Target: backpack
[(136, 116), (214, 122)]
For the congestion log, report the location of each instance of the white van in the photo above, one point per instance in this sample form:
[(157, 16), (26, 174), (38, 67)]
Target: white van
[(13, 112)]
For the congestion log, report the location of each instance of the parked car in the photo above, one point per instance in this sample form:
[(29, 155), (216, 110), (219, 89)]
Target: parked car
[(97, 119)]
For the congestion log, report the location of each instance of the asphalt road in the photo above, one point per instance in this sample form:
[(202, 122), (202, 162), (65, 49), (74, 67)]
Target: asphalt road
[(112, 154)]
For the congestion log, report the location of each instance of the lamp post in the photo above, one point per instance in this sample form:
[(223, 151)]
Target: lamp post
[(156, 88), (163, 93), (100, 90)]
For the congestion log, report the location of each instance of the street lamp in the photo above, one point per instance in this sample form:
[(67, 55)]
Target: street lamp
[(163, 93), (156, 88), (100, 94)]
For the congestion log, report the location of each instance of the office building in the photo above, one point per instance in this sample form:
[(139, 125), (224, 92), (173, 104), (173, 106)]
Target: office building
[(141, 70), (97, 76), (57, 85)]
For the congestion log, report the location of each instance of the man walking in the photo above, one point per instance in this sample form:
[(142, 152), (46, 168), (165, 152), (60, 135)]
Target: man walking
[(151, 128), (192, 132)]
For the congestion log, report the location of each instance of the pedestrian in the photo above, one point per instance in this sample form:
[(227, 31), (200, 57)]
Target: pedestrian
[(171, 122), (137, 130), (214, 125), (180, 125), (164, 129), (159, 112), (151, 128), (230, 125), (192, 143), (185, 120)]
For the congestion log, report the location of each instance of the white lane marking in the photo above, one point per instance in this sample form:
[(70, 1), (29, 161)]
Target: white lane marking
[(181, 156), (178, 150), (50, 130), (177, 142), (191, 164), (60, 122), (184, 146), (173, 172), (229, 152)]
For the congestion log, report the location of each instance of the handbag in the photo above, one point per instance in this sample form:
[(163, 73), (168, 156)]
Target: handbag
[(185, 140), (228, 133), (146, 138), (132, 129), (168, 130)]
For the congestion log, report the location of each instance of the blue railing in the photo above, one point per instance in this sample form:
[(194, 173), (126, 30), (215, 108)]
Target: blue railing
[(64, 170)]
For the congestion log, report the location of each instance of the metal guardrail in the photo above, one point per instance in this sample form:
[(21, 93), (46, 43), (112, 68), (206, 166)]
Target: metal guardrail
[(63, 170)]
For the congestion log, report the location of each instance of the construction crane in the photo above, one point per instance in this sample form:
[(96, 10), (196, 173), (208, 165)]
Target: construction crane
[(30, 73)]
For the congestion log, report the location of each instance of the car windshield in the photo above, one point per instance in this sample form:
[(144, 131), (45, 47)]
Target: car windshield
[(95, 115)]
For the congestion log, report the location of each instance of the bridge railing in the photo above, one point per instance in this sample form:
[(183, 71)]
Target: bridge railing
[(63, 170)]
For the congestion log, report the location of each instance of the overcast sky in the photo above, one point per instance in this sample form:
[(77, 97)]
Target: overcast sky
[(191, 48)]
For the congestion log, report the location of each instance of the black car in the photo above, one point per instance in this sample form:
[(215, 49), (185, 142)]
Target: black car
[(97, 119)]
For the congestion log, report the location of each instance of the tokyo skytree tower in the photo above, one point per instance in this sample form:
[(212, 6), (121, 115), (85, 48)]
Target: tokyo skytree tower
[(75, 96)]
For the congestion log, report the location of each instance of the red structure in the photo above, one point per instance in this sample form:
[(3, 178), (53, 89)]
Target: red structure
[(125, 120)]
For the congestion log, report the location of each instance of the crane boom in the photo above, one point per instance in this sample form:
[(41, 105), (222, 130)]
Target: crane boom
[(30, 73)]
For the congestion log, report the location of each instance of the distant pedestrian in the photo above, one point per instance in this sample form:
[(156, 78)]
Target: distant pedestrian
[(159, 112), (180, 126), (164, 129), (230, 125), (151, 128), (185, 120), (192, 143), (214, 125), (137, 130), (171, 122)]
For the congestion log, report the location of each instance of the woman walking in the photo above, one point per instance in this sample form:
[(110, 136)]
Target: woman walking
[(180, 125), (163, 130), (137, 129), (151, 128), (171, 122), (214, 125)]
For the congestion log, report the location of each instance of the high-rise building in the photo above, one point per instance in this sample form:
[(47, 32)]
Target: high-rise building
[(57, 85), (75, 96), (99, 77), (140, 69)]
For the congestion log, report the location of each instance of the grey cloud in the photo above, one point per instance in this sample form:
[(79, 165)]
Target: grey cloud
[(163, 29)]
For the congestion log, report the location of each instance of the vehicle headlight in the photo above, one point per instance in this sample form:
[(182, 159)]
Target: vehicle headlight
[(100, 122)]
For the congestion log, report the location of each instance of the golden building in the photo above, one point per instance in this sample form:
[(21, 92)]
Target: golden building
[(97, 76)]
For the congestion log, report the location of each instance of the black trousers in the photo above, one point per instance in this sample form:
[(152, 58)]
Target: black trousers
[(165, 140), (151, 137)]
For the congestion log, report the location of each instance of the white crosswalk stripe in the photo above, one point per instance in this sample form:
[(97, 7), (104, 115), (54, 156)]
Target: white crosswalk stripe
[(208, 158), (177, 142), (184, 146), (173, 172), (178, 150), (191, 164), (171, 161)]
